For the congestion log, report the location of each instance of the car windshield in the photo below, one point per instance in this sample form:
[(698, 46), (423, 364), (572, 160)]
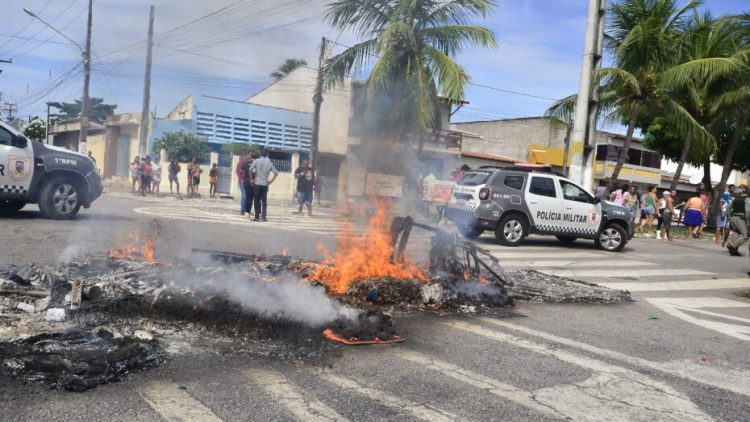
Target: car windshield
[(474, 178)]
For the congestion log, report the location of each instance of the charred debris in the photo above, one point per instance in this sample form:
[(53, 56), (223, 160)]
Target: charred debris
[(95, 319)]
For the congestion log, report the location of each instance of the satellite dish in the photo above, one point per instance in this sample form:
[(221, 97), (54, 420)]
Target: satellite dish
[(695, 179)]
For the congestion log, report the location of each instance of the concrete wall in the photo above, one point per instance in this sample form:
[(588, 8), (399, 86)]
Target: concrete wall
[(97, 146), (511, 138), (295, 92), (183, 110)]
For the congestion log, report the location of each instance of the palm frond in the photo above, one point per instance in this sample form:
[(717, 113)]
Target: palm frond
[(451, 39), (621, 78), (353, 59), (363, 17), (701, 71), (687, 126), (459, 12), (734, 100), (563, 109), (451, 78)]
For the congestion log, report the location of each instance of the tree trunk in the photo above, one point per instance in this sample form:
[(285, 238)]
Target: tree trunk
[(708, 187), (728, 159), (625, 146), (683, 157)]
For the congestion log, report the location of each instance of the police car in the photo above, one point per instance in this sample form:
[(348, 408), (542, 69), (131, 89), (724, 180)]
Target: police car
[(520, 200), (60, 181)]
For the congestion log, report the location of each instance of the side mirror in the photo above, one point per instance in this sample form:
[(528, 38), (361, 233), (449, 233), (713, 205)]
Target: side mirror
[(20, 141)]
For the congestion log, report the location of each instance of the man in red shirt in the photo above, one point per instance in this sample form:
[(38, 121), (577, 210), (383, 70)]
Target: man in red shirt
[(240, 173)]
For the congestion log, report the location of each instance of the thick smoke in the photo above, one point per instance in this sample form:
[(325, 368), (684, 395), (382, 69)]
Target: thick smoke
[(475, 289)]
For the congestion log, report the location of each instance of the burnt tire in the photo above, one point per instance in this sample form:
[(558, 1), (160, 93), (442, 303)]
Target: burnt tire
[(566, 239), (612, 238), (60, 199), (511, 231), (10, 206), (470, 232)]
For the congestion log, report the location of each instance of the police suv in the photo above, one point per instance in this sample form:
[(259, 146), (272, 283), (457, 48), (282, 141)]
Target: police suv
[(60, 181), (520, 200)]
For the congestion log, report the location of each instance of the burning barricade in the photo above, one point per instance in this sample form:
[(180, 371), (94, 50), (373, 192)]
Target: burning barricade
[(98, 317)]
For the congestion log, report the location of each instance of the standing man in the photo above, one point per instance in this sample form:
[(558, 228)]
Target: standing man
[(146, 173), (723, 215), (666, 216), (305, 182), (174, 169), (248, 183), (262, 168), (738, 222), (242, 164), (213, 177), (601, 190)]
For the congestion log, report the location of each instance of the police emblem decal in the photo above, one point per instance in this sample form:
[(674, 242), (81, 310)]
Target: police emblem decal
[(20, 168)]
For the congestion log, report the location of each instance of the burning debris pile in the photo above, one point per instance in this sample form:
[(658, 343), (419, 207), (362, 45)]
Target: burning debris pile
[(80, 324)]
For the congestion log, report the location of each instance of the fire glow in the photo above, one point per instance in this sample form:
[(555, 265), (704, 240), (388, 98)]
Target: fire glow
[(135, 246), (364, 256)]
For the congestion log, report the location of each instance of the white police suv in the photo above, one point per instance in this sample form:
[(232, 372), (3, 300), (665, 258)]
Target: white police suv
[(60, 181), (520, 200)]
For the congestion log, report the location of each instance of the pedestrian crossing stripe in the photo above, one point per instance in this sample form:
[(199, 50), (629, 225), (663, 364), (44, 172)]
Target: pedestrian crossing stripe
[(660, 286), (635, 272)]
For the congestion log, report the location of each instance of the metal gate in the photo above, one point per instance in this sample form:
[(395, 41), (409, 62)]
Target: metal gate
[(224, 167), (123, 156)]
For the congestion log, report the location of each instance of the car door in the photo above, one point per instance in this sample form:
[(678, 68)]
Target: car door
[(16, 165), (544, 204), (581, 215)]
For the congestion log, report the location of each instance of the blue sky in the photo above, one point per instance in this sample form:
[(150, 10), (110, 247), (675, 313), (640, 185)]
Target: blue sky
[(540, 45)]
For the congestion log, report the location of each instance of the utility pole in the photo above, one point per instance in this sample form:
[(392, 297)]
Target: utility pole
[(318, 100), (142, 146), (46, 128), (584, 124), (86, 78)]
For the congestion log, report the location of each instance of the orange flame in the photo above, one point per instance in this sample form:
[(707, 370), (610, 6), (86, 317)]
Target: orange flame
[(135, 246), (362, 256)]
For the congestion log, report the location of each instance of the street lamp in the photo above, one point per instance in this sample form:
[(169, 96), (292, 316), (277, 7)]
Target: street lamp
[(86, 52)]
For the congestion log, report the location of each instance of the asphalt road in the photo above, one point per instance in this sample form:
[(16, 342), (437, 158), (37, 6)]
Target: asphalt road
[(679, 352)]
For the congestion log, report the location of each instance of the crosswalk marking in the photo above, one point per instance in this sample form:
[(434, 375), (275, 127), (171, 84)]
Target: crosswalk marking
[(724, 378), (587, 263), (303, 407), (634, 272), (704, 302), (658, 286), (618, 392), (174, 404), (502, 254), (517, 395), (399, 403), (740, 331)]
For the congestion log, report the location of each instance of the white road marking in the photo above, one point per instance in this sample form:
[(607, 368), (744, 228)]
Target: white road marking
[(741, 332), (303, 407), (659, 286), (502, 254), (577, 263), (419, 411), (506, 391), (612, 393), (174, 404), (704, 302), (634, 272), (737, 381)]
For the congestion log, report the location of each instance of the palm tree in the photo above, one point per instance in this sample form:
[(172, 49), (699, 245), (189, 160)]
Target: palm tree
[(409, 48), (286, 67)]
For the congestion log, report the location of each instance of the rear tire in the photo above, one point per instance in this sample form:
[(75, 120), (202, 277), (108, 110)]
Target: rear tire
[(470, 232), (10, 206), (566, 239), (60, 199), (612, 239), (511, 231)]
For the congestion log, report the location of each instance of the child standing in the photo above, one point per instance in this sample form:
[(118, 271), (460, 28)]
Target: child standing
[(213, 176), (196, 170)]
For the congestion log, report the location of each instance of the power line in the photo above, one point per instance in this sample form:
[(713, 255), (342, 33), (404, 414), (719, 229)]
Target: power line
[(513, 92), (32, 39), (59, 15), (31, 20)]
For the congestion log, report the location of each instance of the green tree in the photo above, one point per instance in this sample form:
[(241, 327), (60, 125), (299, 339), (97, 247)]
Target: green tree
[(36, 130), (286, 68), (181, 146), (241, 149), (410, 46), (97, 110)]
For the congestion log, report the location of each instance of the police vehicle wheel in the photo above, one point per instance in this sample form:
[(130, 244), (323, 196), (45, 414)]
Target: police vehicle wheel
[(612, 238), (60, 199), (566, 239), (470, 232), (511, 231), (10, 206)]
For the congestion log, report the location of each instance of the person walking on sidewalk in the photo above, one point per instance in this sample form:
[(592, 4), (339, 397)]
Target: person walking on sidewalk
[(146, 173), (213, 177), (262, 168), (693, 212), (240, 171), (739, 222), (649, 209), (248, 183), (723, 214), (174, 170), (305, 184), (666, 216)]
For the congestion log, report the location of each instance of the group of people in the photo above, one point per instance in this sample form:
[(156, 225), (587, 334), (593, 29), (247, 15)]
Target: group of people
[(730, 215), (145, 175), (255, 173)]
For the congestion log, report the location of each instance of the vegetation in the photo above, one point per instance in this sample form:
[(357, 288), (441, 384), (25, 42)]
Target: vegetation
[(181, 146), (409, 47), (97, 110), (241, 149), (286, 67), (36, 130)]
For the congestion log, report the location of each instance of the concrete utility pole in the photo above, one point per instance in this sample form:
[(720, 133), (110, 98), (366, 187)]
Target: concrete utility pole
[(46, 128), (584, 123), (142, 146), (318, 100), (86, 79)]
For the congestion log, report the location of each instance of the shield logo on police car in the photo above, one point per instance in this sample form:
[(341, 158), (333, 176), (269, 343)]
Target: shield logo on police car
[(20, 168)]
